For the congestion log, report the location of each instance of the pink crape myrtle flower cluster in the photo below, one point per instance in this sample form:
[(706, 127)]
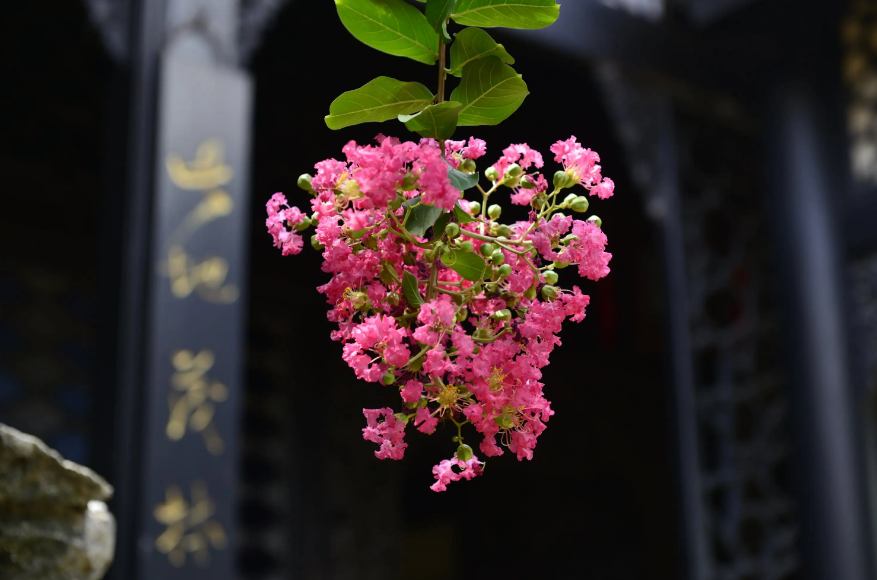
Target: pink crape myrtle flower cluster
[(437, 299)]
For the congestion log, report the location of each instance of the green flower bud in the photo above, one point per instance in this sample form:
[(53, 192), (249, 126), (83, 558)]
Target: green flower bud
[(389, 378), (359, 300), (452, 230), (397, 202), (570, 238), (305, 224), (497, 257), (462, 315), (562, 180), (580, 204), (596, 221), (494, 211), (487, 250), (304, 182), (392, 298), (464, 452), (504, 231), (315, 243), (504, 314), (467, 166), (505, 421), (408, 259), (429, 255), (409, 182), (530, 293), (505, 270), (474, 208), (551, 277), (513, 170), (314, 219), (561, 265), (549, 293), (491, 173), (567, 201), (467, 246), (481, 333), (527, 184)]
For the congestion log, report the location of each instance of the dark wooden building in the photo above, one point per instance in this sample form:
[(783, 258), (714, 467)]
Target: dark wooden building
[(715, 412)]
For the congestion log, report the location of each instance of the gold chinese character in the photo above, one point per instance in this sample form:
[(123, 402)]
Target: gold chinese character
[(189, 527), (195, 406), (206, 277), (207, 171)]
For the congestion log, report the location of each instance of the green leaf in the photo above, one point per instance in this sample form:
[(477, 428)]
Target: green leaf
[(469, 265), (421, 219), (461, 215), (410, 290), (436, 121), (460, 180), (490, 92), (438, 11), (472, 44), (391, 26), (529, 14), (439, 228), (380, 100)]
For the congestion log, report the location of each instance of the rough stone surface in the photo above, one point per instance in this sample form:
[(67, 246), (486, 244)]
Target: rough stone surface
[(54, 524)]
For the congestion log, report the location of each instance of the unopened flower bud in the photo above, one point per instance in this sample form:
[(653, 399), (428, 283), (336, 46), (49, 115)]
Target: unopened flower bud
[(481, 333), (397, 202), (304, 182), (359, 299), (452, 230), (505, 270), (389, 378), (315, 219), (549, 293), (466, 246), (464, 452), (392, 298), (505, 421), (530, 293), (474, 208), (527, 184), (409, 182), (560, 265), (502, 315), (570, 238), (491, 173), (467, 166), (408, 259), (596, 221), (580, 204), (567, 201), (429, 255), (562, 180), (551, 277), (462, 315), (315, 243), (305, 224), (513, 170), (487, 250), (494, 211), (497, 257), (504, 231)]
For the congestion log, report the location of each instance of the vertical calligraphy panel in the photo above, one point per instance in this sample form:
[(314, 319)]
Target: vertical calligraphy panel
[(194, 369)]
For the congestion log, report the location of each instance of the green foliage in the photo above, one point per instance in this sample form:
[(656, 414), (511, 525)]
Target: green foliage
[(436, 121), (467, 264), (490, 92), (471, 44), (380, 100), (439, 228), (461, 215), (391, 26), (528, 14), (437, 13), (410, 290), (421, 217), (460, 180)]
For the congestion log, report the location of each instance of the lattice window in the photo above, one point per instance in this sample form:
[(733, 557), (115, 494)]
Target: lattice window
[(741, 392)]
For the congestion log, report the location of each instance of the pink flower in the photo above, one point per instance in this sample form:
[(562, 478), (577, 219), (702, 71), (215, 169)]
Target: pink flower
[(412, 392), (445, 474), (389, 433), (425, 423), (574, 304)]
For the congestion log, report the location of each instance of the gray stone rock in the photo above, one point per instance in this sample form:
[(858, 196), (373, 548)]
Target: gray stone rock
[(54, 524)]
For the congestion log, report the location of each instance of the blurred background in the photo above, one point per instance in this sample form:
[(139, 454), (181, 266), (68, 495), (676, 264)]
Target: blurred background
[(715, 411)]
